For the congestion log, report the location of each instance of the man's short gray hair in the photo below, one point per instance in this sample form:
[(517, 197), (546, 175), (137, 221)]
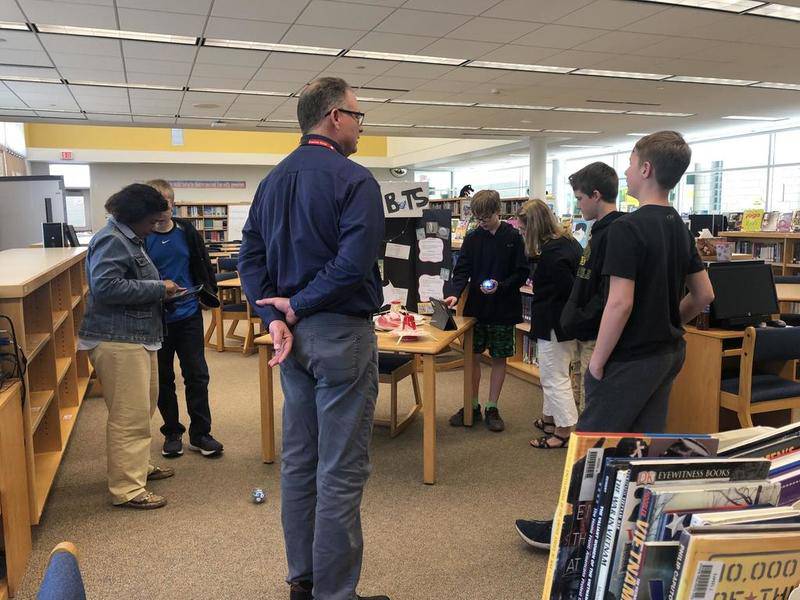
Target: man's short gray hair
[(319, 97)]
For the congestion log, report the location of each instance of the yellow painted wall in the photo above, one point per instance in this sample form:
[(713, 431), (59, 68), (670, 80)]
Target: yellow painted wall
[(69, 137)]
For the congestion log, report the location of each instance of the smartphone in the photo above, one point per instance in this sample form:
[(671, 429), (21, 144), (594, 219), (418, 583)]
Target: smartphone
[(190, 291)]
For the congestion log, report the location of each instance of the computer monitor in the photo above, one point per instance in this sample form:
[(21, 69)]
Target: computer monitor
[(744, 294), (714, 223)]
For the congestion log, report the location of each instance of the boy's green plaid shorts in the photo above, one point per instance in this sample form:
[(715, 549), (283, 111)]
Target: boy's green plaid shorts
[(498, 339)]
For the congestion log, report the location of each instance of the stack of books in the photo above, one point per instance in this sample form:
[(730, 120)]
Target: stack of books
[(677, 517)]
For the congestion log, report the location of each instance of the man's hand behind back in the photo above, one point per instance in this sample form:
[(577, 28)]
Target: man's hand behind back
[(283, 305), (281, 341)]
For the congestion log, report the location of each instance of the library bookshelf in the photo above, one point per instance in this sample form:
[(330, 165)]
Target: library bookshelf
[(785, 261), (43, 291), (508, 206), (211, 219)]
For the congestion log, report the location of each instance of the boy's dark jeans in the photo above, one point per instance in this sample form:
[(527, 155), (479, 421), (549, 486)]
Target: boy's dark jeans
[(184, 337), (633, 396)]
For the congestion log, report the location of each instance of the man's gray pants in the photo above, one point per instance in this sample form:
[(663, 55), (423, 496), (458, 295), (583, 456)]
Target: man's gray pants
[(330, 385)]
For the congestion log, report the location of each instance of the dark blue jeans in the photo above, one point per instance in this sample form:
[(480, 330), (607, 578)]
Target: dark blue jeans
[(330, 385), (184, 338)]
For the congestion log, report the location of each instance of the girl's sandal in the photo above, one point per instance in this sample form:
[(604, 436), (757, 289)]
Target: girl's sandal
[(547, 427), (543, 443)]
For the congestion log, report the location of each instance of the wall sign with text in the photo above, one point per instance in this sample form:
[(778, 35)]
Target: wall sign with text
[(403, 198)]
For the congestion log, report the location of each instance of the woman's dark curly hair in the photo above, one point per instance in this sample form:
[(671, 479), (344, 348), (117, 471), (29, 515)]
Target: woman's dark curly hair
[(136, 202)]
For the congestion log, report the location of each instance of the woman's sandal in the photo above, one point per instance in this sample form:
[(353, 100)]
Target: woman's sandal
[(547, 427), (542, 442)]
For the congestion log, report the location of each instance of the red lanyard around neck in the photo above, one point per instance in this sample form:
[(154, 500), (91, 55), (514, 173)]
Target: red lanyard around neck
[(318, 142)]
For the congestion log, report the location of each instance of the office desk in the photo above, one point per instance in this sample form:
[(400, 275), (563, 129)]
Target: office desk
[(427, 349)]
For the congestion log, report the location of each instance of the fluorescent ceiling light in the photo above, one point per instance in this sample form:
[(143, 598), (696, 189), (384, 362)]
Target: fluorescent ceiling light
[(516, 106), (368, 124), (148, 115), (132, 86), (777, 11), (610, 111), (483, 64), (736, 6), (223, 119), (753, 118), (446, 127), (580, 146), (118, 34), (655, 113), (711, 80), (22, 78), (13, 25), (360, 99), (508, 129), (637, 134), (416, 58), (569, 131), (245, 45), (430, 102), (243, 92), (293, 121), (620, 74), (774, 85)]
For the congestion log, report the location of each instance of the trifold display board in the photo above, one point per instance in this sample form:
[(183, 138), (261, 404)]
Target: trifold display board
[(416, 259)]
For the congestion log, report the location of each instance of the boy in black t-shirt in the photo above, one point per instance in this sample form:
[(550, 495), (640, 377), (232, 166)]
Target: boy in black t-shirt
[(650, 260)]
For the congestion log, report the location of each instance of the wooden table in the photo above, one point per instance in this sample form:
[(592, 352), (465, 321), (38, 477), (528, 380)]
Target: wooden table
[(788, 292), (427, 349)]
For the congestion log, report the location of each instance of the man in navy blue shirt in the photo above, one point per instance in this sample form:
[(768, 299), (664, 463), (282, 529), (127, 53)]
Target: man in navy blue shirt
[(308, 265), (179, 253)]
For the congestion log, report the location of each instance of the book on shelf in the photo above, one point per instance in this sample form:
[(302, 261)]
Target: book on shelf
[(735, 221), (796, 221), (755, 515), (752, 218), (784, 222), (769, 221)]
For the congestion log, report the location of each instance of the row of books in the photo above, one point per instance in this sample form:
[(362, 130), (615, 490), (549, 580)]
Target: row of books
[(529, 351), (214, 223), (767, 251), (202, 211), (677, 517), (527, 307), (755, 219), (214, 236)]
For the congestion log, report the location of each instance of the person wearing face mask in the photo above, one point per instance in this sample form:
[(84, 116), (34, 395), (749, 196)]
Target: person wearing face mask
[(309, 267), (123, 329)]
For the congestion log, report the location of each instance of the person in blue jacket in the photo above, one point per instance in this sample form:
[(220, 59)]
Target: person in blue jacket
[(308, 265)]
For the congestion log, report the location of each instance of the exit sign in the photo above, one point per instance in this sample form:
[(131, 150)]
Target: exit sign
[(66, 155)]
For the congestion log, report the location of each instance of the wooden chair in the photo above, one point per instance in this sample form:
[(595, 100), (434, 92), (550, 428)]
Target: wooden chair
[(766, 380), (393, 367)]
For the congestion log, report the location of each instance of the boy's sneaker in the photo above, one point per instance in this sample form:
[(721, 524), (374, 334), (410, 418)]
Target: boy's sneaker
[(206, 445), (535, 533), (173, 446), (301, 591), (494, 422), (145, 501), (457, 420)]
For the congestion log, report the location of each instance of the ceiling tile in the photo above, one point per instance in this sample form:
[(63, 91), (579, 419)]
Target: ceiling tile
[(541, 12), (277, 11), (352, 79), (156, 78), (54, 12), (459, 7), (87, 93), (77, 116), (520, 54), (208, 70), (287, 76), (163, 67), (230, 56), (559, 36), (9, 11), (103, 118), (20, 40), (300, 62), (31, 71), (190, 7), (323, 13), (225, 83), (150, 51), (674, 21), (417, 22), (28, 58), (99, 61), (271, 85), (305, 35), (389, 3), (245, 29), (154, 120), (459, 48), (611, 14), (492, 30), (10, 112), (576, 58), (397, 83), (468, 75), (362, 66), (161, 22), (56, 44), (677, 47), (418, 71), (620, 42), (394, 42), (89, 74)]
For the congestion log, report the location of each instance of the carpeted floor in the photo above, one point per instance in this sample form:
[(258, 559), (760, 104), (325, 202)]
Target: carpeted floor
[(454, 540)]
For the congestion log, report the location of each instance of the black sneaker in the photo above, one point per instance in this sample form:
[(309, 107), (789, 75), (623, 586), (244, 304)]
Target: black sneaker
[(494, 422), (300, 591), (173, 446), (457, 420), (206, 445), (535, 533)]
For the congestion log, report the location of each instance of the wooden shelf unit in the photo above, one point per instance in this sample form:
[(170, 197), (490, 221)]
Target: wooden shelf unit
[(210, 218), (516, 365), (508, 206), (790, 256), (44, 293)]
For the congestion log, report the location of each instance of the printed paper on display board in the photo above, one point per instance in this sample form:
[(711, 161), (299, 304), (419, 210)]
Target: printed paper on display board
[(431, 250), (400, 251), (391, 294), (430, 286)]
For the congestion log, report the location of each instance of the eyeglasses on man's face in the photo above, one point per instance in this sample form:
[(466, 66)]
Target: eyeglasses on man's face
[(358, 116), (484, 218)]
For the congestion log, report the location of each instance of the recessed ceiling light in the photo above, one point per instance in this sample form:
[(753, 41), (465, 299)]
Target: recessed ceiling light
[(416, 58), (610, 111), (483, 64), (514, 106), (777, 85), (736, 6), (655, 113), (777, 11), (368, 124), (753, 118), (362, 99), (293, 121), (118, 34), (243, 92), (246, 45), (619, 74), (570, 131), (430, 102), (14, 25), (711, 80), (22, 78), (446, 127), (509, 129), (132, 86)]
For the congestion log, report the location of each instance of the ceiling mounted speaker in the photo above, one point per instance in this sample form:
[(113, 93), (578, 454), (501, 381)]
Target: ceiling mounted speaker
[(398, 172)]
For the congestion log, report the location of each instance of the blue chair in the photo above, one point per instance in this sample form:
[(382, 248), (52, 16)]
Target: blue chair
[(62, 578), (766, 380), (392, 368), (227, 264)]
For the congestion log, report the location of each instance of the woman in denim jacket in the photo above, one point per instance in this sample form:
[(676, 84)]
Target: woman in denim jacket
[(122, 329)]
